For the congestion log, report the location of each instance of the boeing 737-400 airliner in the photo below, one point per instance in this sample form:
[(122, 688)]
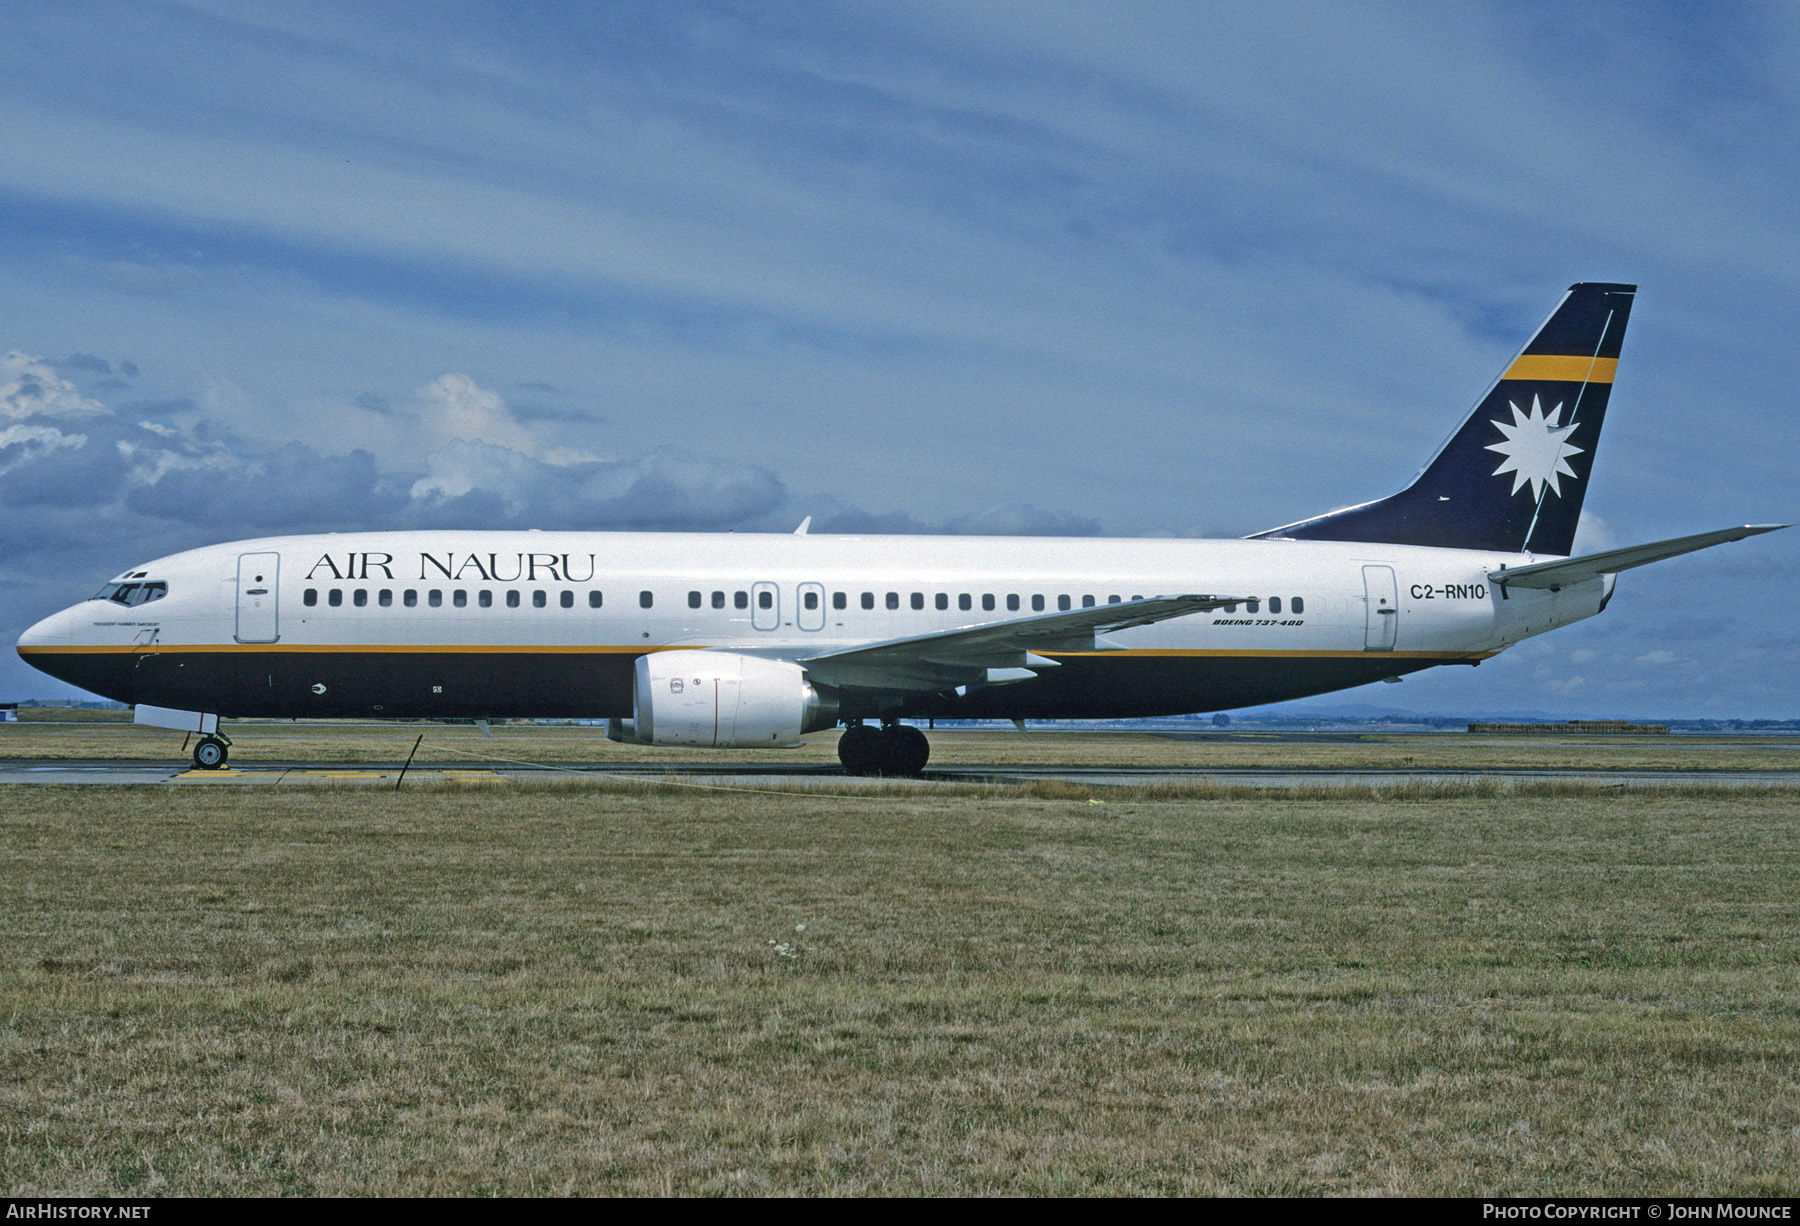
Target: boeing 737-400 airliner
[(750, 641)]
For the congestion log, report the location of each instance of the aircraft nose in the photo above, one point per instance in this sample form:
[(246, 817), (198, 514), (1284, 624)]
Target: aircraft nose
[(61, 645), (56, 630)]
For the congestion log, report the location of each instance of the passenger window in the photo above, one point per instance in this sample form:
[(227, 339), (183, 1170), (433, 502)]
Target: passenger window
[(810, 600), (334, 598), (964, 602), (740, 600), (1137, 597), (646, 600), (566, 600), (484, 598), (943, 600), (1012, 603), (512, 598), (868, 600), (538, 599), (718, 600), (1299, 605), (1112, 600), (1274, 604), (434, 598), (765, 600), (593, 600), (839, 601), (310, 597), (987, 602), (385, 598), (459, 598), (409, 598), (1087, 602), (693, 600), (1062, 603), (1037, 604), (1253, 606), (893, 600), (360, 598), (918, 600)]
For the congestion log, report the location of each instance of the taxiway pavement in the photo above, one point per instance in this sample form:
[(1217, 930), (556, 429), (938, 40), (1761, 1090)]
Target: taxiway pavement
[(786, 776)]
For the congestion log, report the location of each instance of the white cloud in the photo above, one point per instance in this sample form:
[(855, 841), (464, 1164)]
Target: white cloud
[(453, 407), (466, 465), (30, 387), (1592, 535)]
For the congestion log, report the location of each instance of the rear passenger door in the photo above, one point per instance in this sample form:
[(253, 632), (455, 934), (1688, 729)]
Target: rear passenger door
[(1382, 619)]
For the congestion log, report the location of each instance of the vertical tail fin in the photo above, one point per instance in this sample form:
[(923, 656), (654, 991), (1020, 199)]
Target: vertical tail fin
[(1513, 477)]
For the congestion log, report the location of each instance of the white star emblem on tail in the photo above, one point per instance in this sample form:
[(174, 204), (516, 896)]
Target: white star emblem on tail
[(1535, 449)]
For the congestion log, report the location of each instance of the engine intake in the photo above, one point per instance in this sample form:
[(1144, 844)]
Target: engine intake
[(723, 700)]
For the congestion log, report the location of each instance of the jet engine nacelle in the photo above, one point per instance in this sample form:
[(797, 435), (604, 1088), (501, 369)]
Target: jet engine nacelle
[(725, 700)]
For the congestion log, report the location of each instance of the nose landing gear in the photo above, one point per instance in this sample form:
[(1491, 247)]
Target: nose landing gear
[(210, 753), (894, 749)]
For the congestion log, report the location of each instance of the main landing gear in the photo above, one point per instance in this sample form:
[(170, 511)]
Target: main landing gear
[(893, 749), (210, 753)]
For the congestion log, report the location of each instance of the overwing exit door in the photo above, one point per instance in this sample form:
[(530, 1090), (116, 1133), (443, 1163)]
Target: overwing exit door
[(765, 606), (1383, 614), (811, 611), (258, 586)]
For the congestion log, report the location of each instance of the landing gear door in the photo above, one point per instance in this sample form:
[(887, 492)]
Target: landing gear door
[(765, 606), (1383, 615), (811, 613), (258, 586)]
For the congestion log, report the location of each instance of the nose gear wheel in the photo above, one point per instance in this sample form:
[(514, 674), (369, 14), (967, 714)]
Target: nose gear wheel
[(211, 752)]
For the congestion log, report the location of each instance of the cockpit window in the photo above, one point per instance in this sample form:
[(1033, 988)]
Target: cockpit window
[(132, 593)]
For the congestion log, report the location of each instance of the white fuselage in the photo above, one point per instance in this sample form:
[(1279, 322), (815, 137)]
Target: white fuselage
[(285, 625)]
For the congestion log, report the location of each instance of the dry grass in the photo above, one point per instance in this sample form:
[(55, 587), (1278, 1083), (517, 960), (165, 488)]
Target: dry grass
[(607, 989), (325, 742), (73, 715)]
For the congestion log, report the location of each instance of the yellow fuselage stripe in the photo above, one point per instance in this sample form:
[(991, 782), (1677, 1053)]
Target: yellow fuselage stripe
[(157, 649), (1562, 369), (414, 649)]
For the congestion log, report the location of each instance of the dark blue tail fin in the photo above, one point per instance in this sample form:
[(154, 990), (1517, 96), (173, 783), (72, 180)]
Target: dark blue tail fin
[(1513, 477)]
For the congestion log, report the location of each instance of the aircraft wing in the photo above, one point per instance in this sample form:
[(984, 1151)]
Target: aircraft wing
[(1559, 574), (928, 662)]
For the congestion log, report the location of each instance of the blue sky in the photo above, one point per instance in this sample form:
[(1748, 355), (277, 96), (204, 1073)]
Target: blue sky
[(1128, 268)]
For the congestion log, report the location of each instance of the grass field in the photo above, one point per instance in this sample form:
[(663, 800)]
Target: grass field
[(624, 989)]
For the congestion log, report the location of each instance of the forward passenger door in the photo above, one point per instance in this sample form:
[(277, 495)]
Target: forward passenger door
[(258, 587)]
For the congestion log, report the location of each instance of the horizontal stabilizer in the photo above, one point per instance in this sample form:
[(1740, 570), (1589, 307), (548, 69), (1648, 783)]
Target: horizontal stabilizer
[(1563, 573), (928, 662)]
